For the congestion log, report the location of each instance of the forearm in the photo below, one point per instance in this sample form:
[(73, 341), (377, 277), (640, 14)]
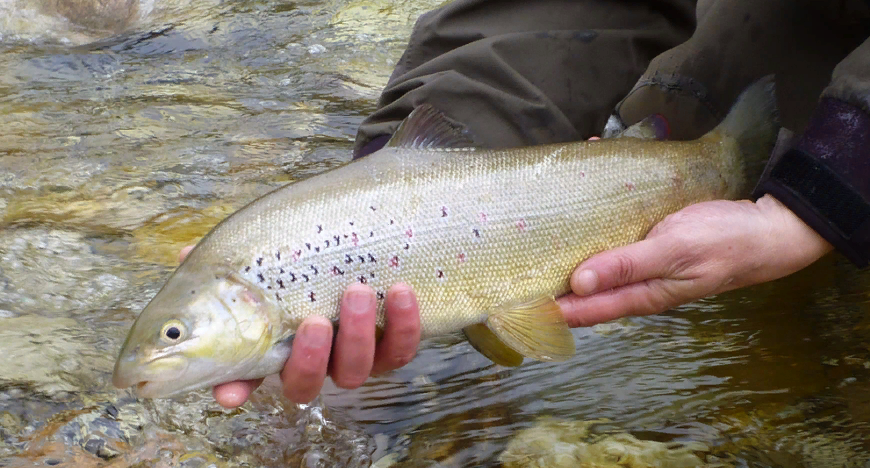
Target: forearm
[(825, 178), (737, 42)]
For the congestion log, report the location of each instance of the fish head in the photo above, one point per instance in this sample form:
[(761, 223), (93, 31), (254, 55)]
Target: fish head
[(203, 328)]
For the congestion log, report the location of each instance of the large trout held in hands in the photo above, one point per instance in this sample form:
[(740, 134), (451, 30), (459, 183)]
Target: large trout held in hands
[(486, 238)]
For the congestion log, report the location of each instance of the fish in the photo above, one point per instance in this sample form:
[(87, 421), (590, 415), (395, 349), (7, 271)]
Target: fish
[(487, 239)]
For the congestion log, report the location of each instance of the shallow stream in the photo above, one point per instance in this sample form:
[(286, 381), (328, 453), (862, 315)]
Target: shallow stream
[(117, 148)]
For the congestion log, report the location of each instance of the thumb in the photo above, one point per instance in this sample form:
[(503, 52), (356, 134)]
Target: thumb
[(648, 259), (630, 280)]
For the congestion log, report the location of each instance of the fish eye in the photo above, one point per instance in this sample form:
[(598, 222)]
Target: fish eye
[(172, 332)]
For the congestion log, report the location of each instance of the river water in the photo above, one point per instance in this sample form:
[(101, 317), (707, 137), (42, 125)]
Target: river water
[(122, 141)]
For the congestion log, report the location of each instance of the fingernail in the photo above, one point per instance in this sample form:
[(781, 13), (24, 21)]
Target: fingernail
[(586, 282), (404, 299), (357, 301), (316, 334)]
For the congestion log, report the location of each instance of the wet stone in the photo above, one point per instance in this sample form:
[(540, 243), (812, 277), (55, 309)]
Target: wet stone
[(37, 354), (54, 271), (554, 443)]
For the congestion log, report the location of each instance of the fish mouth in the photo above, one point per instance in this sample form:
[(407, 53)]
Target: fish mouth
[(145, 389)]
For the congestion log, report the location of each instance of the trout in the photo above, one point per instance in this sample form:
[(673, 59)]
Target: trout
[(487, 239)]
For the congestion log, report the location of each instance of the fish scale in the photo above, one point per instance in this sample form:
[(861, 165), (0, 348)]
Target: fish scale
[(486, 238)]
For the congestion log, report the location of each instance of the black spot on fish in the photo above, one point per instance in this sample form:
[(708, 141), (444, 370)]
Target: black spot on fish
[(372, 274), (381, 295), (443, 211), (372, 258), (269, 287), (371, 233), (247, 269), (311, 295), (440, 274), (363, 280), (260, 261), (476, 232), (192, 292), (336, 270), (278, 255), (392, 222), (407, 246), (260, 277), (351, 223), (308, 245), (280, 283), (281, 270), (319, 229), (292, 277), (337, 240), (327, 242), (278, 298), (304, 276), (361, 259), (313, 268), (348, 259), (345, 236), (373, 208), (317, 249)]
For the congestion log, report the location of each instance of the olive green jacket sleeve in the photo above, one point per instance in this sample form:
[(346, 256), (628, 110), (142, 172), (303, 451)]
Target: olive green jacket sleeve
[(529, 72)]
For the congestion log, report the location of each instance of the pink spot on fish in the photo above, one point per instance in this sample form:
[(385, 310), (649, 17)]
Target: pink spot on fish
[(355, 239), (461, 257), (521, 225), (443, 211), (483, 217), (394, 262), (582, 174), (296, 255), (409, 233), (629, 186)]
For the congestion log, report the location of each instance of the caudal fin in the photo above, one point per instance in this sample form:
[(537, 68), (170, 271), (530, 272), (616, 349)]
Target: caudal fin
[(754, 123)]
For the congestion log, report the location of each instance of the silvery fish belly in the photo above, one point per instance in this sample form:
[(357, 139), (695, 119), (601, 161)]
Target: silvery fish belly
[(486, 238)]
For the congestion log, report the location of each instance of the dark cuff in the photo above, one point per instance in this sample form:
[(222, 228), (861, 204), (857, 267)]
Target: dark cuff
[(825, 179)]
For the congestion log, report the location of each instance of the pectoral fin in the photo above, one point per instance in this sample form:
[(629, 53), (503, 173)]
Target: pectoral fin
[(535, 329), (485, 341)]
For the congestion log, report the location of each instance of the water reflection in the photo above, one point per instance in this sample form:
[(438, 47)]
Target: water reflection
[(118, 148)]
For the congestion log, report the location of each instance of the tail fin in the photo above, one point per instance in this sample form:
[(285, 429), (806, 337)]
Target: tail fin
[(754, 122)]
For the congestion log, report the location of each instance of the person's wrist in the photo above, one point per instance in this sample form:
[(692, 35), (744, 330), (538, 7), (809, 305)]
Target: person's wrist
[(797, 245)]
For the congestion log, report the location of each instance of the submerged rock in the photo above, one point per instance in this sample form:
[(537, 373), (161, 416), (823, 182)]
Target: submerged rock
[(554, 443), (51, 356)]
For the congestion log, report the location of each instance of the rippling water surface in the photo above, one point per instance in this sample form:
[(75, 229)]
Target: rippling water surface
[(122, 141)]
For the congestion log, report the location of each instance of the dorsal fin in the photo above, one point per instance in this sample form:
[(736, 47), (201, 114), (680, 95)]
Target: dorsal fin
[(427, 128), (654, 127)]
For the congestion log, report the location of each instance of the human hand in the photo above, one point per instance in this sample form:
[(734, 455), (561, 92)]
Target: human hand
[(704, 249), (355, 355)]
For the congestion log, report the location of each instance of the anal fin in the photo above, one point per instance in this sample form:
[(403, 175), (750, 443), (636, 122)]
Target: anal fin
[(535, 329), (488, 344)]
